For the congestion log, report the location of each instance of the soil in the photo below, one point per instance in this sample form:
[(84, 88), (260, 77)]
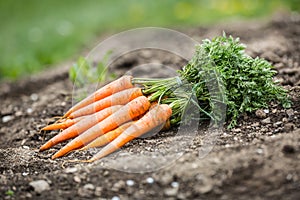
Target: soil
[(258, 159)]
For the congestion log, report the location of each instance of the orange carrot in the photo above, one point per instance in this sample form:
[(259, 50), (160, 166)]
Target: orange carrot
[(134, 108), (80, 127), (62, 125), (119, 98), (107, 137), (116, 86), (150, 120)]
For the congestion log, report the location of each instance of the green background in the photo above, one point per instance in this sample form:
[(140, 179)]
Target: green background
[(36, 34)]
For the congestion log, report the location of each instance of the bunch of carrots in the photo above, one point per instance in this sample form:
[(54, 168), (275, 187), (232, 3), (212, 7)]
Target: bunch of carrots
[(130, 107), (113, 115)]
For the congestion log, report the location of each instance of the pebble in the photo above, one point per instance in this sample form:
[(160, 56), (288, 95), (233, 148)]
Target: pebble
[(18, 113), (266, 111), (115, 198), (259, 151), (130, 182), (276, 124), (77, 179), (39, 186), (236, 130), (118, 185), (150, 180), (255, 124), (29, 110), (71, 170), (175, 184), (266, 121), (7, 118), (171, 192), (105, 173), (260, 114), (25, 173), (289, 177), (98, 191), (89, 186), (290, 112), (274, 111), (25, 147), (34, 97)]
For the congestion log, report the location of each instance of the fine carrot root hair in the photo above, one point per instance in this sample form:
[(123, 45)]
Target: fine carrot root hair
[(119, 98), (107, 137), (150, 120), (80, 127), (118, 85), (134, 108)]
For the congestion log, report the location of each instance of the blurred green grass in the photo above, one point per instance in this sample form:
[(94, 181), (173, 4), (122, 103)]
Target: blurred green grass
[(36, 34)]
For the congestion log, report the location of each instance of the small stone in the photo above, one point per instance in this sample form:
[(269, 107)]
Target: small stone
[(236, 130), (25, 147), (150, 180), (118, 185), (289, 177), (130, 182), (277, 124), (63, 103), (284, 120), (115, 198), (98, 191), (39, 186), (274, 111), (260, 114), (89, 186), (259, 151), (18, 113), (29, 110), (289, 127), (25, 173), (266, 121), (266, 111), (256, 124), (77, 179), (290, 113), (105, 173), (263, 130), (174, 184), (171, 191), (34, 97), (28, 195), (7, 118), (288, 149), (71, 170)]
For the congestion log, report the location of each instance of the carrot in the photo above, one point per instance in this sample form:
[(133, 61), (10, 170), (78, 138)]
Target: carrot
[(119, 98), (116, 86), (107, 137), (134, 108), (62, 125), (150, 120), (80, 127)]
